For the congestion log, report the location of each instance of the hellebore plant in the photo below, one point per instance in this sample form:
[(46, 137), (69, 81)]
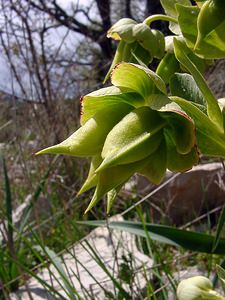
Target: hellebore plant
[(148, 122)]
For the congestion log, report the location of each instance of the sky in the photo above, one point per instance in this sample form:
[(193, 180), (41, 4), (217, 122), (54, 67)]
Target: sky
[(55, 37)]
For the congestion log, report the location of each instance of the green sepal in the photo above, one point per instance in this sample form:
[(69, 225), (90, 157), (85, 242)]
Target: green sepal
[(135, 137), (89, 139), (107, 97), (137, 78), (177, 162), (113, 177), (92, 178), (139, 54), (156, 166), (181, 129)]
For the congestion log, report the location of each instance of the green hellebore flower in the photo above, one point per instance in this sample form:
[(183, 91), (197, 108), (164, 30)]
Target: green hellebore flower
[(197, 288), (125, 132)]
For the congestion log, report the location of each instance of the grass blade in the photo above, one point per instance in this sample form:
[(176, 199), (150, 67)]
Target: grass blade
[(189, 240), (219, 228), (8, 205)]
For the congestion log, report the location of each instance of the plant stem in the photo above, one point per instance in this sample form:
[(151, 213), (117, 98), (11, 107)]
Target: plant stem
[(159, 17)]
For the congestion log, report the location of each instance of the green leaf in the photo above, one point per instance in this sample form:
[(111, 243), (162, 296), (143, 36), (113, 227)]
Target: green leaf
[(189, 240), (135, 137), (122, 30), (89, 139), (109, 96), (213, 109), (210, 140), (211, 21), (157, 164), (184, 86), (169, 7), (187, 18), (57, 263), (212, 46), (138, 79)]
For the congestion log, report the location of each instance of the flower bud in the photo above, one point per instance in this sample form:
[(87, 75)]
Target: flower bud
[(197, 288), (122, 30)]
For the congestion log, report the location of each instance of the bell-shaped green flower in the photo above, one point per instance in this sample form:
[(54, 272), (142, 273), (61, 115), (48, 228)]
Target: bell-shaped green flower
[(130, 127), (197, 288)]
